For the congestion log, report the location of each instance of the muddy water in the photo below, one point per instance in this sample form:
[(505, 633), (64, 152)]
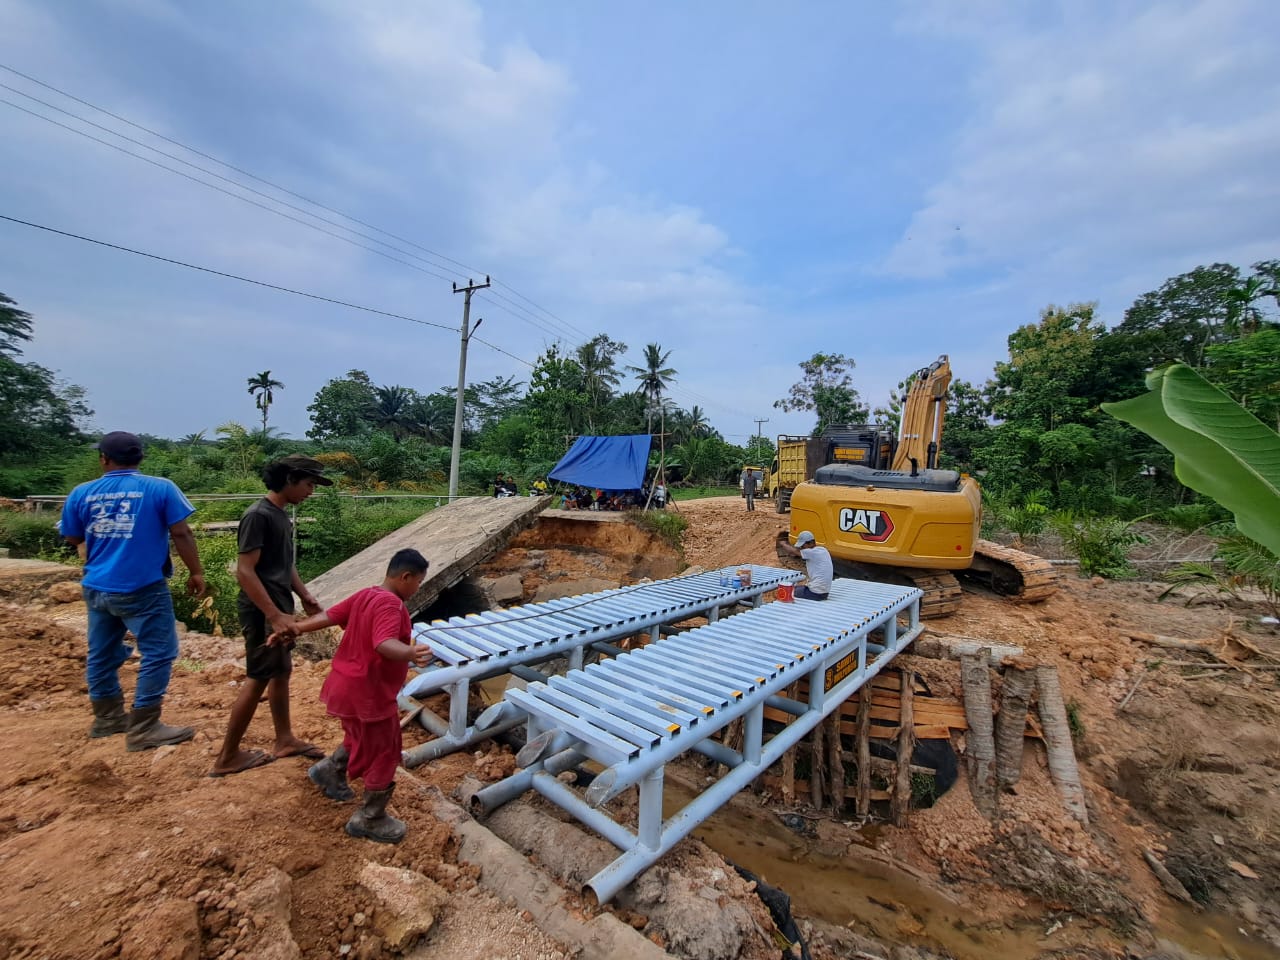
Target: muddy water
[(841, 887)]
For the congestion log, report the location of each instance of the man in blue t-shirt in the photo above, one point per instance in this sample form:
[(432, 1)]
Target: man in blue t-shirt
[(121, 524)]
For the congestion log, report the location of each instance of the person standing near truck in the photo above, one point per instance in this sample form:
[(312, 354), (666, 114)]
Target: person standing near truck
[(749, 488)]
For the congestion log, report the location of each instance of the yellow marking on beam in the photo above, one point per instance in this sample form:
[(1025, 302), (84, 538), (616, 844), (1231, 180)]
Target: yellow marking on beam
[(737, 693), (708, 710), (673, 728)]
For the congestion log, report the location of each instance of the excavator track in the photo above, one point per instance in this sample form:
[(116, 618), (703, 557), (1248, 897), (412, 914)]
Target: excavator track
[(1013, 574)]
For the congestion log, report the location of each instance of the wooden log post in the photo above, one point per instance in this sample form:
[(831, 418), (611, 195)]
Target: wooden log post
[(1057, 740), (863, 795), (817, 763), (1011, 724), (835, 763), (980, 752), (901, 803), (789, 764)]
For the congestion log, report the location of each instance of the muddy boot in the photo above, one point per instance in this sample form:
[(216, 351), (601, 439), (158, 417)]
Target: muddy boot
[(108, 717), (146, 731), (330, 775), (373, 822)]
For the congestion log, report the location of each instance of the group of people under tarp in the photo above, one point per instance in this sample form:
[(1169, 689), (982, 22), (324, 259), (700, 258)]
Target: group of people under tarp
[(584, 498)]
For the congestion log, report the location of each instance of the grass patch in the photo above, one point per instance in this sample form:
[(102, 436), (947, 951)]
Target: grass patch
[(189, 665), (669, 526)]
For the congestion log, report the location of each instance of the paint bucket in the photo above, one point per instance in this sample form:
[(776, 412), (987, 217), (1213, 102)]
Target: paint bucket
[(786, 592), (724, 578), (744, 574), (736, 583)]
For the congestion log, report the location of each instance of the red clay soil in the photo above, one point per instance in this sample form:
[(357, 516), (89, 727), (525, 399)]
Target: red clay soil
[(113, 854)]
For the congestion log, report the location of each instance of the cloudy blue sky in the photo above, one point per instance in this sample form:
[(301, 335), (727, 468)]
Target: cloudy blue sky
[(744, 183)]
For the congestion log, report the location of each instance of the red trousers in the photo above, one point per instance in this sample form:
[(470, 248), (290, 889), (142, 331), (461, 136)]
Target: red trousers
[(374, 750)]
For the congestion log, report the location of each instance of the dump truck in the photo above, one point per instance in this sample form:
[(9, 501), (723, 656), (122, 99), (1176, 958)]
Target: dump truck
[(799, 458)]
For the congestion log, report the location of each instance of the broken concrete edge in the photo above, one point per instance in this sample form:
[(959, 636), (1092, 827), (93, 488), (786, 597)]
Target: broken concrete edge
[(507, 874)]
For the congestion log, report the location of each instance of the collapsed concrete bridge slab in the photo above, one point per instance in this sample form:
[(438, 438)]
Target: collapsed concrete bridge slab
[(454, 538)]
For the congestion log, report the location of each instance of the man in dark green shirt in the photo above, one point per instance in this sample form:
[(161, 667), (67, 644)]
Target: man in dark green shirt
[(268, 580)]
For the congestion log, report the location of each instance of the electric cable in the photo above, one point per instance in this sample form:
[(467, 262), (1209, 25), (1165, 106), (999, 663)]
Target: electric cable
[(274, 186), (229, 276)]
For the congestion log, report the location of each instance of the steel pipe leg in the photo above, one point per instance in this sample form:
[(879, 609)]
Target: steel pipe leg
[(651, 809), (458, 693)]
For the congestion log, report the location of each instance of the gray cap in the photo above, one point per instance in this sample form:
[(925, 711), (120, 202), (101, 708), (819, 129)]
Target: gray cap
[(804, 537)]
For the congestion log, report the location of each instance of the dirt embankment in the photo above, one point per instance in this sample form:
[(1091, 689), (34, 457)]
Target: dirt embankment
[(111, 854)]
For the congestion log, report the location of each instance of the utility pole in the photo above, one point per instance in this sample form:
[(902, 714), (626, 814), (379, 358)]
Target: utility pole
[(759, 421), (456, 456)]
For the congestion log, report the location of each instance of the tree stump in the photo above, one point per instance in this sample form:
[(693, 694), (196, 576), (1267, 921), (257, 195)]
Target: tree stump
[(1057, 740), (864, 752)]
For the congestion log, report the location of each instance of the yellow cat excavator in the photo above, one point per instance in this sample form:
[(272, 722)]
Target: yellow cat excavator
[(912, 522)]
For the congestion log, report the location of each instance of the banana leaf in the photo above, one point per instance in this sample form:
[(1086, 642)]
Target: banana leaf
[(1220, 449)]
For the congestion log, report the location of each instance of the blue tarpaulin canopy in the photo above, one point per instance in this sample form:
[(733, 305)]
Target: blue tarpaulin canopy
[(608, 463)]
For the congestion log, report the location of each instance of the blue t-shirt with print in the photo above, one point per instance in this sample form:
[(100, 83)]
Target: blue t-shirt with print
[(124, 518)]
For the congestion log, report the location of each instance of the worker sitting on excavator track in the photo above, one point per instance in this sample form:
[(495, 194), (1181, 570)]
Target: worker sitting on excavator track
[(817, 565)]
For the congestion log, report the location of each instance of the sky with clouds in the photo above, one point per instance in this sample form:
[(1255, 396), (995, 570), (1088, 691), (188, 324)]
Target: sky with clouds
[(744, 183)]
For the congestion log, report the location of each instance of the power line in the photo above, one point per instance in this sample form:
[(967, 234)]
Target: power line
[(273, 185), (229, 193), (514, 309), (222, 273), (204, 170)]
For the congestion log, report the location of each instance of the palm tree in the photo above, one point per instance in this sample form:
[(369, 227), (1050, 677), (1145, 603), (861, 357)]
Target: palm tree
[(392, 411), (261, 387), (698, 425), (1243, 317), (599, 374), (654, 377)]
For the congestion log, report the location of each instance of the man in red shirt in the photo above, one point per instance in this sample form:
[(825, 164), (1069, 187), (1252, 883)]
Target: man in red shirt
[(369, 668)]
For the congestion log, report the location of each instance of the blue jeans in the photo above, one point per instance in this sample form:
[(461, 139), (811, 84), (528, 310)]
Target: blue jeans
[(148, 614)]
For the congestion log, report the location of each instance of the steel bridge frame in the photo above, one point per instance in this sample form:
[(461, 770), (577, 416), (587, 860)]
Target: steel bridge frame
[(712, 676)]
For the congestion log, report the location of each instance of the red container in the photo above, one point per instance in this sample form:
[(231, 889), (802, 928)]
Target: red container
[(786, 592)]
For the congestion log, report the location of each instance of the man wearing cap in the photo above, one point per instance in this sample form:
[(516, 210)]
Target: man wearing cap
[(817, 565), (268, 580), (121, 525)]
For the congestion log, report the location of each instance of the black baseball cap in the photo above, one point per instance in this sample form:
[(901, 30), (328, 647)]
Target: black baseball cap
[(310, 466), (120, 447)]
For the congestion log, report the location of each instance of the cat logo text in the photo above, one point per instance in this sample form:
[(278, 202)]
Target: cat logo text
[(874, 526)]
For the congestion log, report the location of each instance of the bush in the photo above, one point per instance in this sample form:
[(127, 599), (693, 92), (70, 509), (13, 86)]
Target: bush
[(1101, 544), (216, 612), (343, 527), (1190, 517), (669, 526), (29, 535)]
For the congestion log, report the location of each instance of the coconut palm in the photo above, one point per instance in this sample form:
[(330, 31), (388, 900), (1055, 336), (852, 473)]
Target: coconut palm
[(597, 358), (261, 387), (654, 377)]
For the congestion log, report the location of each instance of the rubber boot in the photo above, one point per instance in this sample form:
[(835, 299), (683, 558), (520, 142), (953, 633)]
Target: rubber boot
[(372, 821), (330, 775), (108, 717), (147, 732)]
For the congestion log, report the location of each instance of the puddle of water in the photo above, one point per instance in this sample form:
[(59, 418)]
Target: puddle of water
[(892, 905)]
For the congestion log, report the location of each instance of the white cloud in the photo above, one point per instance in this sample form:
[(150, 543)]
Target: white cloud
[(1102, 132)]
